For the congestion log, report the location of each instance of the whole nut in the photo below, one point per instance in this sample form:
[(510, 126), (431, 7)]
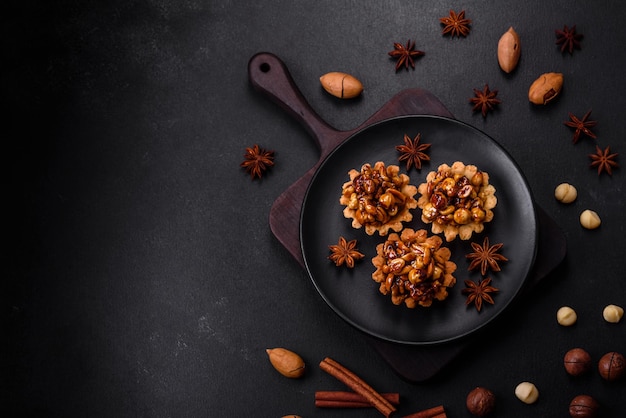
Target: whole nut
[(527, 392), (480, 402), (544, 89), (583, 406), (566, 316), (577, 362), (590, 219), (613, 313), (565, 193), (509, 50), (341, 85), (612, 366), (288, 363)]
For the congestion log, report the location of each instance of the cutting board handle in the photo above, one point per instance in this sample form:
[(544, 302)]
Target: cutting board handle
[(269, 75)]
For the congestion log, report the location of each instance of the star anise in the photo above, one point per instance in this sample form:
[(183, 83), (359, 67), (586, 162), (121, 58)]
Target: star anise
[(257, 160), (568, 39), (486, 257), (581, 125), (485, 100), (405, 54), (479, 292), (604, 160), (344, 252), (413, 152), (455, 24)]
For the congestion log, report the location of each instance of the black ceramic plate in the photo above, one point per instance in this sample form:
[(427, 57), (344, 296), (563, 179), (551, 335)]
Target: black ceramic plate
[(352, 293)]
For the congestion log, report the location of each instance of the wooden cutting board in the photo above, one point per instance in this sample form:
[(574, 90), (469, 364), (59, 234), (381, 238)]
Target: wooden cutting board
[(269, 75)]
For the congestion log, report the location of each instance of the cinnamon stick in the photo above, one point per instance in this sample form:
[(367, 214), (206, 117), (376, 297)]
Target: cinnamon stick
[(341, 404), (344, 399), (434, 412), (358, 385)]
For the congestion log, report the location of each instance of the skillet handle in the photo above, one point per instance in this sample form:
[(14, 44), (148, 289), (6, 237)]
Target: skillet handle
[(269, 75)]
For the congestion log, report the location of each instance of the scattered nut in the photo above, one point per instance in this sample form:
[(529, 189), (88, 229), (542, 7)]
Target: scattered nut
[(565, 193), (341, 85), (288, 363), (480, 402), (577, 362), (566, 316), (509, 50), (583, 406), (544, 89), (590, 219), (527, 392), (613, 313), (612, 366)]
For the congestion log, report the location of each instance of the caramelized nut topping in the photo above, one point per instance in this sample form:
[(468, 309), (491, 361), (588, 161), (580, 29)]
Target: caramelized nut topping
[(378, 198), (413, 268), (457, 200)]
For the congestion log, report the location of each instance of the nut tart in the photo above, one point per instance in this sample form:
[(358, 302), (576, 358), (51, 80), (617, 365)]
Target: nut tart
[(414, 268), (457, 200), (378, 198)]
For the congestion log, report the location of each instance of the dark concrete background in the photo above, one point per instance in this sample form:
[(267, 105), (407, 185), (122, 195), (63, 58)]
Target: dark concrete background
[(142, 279)]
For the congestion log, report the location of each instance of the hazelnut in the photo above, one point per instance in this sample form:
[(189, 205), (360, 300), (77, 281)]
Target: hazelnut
[(565, 193), (583, 406), (480, 402), (612, 366), (566, 316), (527, 392), (577, 361), (613, 313), (590, 219), (286, 362)]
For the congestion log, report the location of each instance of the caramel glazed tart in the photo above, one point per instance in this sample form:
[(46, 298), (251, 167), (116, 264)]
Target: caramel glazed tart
[(378, 198), (457, 200), (414, 268)]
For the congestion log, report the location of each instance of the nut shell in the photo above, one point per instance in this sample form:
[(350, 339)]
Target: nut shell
[(480, 402), (583, 406), (577, 362), (286, 362), (341, 85), (545, 88), (612, 366), (509, 50)]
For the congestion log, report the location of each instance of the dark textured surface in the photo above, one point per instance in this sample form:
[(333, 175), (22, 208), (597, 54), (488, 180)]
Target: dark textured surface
[(142, 278)]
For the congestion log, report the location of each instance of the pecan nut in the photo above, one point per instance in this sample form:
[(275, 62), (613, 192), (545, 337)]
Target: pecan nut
[(545, 88)]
